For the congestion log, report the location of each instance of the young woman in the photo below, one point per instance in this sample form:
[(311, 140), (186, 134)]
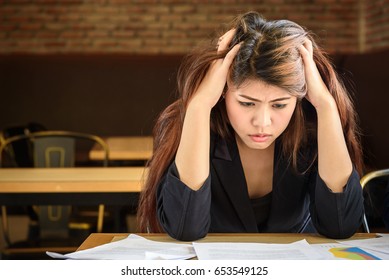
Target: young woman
[(263, 138)]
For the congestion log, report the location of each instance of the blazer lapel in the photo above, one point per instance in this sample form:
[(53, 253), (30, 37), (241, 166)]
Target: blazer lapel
[(228, 167)]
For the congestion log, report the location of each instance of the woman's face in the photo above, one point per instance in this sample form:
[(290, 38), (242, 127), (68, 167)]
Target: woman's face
[(259, 112)]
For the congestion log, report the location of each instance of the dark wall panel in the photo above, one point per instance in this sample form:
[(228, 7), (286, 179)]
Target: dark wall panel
[(370, 76), (105, 95)]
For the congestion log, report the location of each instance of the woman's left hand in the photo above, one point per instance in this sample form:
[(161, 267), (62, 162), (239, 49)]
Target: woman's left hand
[(317, 91), (334, 163)]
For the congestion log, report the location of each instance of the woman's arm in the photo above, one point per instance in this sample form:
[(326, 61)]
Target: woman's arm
[(192, 158), (334, 162)]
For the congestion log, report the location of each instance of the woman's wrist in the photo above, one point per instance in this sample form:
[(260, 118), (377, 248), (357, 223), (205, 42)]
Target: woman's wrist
[(199, 105), (325, 104)]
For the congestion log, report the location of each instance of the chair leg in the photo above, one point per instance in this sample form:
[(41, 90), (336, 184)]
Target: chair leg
[(100, 218), (365, 224), (4, 219)]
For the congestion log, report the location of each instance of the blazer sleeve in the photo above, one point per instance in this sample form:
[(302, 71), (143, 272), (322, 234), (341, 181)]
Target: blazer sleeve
[(183, 213), (336, 215)]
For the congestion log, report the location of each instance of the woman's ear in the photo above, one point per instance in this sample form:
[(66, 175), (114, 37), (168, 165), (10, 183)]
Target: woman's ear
[(222, 97), (225, 91)]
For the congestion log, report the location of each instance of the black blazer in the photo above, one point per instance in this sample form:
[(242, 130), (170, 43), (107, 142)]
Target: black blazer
[(222, 204)]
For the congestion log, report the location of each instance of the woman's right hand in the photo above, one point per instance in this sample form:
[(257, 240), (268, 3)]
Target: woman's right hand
[(192, 157), (211, 87)]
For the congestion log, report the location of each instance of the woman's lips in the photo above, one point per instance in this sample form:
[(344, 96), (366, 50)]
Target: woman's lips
[(260, 138)]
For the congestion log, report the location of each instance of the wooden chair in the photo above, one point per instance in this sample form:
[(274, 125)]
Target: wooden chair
[(50, 149)]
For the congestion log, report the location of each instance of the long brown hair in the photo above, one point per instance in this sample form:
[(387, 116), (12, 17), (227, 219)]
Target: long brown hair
[(268, 52)]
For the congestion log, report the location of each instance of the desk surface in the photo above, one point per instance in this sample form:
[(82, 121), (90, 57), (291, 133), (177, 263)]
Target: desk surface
[(82, 186), (125, 148), (91, 179), (96, 239)]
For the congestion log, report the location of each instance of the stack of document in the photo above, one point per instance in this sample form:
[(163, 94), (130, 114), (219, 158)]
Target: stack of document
[(135, 247)]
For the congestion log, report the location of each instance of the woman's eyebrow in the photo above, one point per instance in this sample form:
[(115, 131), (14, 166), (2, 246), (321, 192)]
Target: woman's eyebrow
[(280, 99), (257, 100)]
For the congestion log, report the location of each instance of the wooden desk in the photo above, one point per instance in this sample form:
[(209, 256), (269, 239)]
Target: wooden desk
[(96, 239), (70, 186), (125, 148), (16, 181)]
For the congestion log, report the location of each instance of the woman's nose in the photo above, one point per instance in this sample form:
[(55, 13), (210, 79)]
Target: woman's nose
[(262, 117)]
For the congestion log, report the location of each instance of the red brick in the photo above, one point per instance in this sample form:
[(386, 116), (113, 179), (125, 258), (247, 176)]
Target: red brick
[(172, 26)]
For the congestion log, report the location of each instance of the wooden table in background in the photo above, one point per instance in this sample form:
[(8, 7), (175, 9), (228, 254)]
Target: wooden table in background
[(29, 181), (116, 186), (125, 148)]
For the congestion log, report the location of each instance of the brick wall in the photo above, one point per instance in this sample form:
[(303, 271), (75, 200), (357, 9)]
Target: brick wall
[(377, 25), (174, 26)]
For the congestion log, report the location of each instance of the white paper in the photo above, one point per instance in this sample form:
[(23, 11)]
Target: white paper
[(134, 247), (299, 250)]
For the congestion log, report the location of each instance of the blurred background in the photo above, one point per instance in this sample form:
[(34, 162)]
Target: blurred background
[(108, 67)]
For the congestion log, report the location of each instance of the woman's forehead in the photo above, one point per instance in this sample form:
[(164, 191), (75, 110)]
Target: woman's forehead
[(258, 88)]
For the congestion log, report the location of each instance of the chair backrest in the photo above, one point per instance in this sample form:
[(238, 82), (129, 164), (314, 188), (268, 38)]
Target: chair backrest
[(20, 151), (374, 185), (50, 149), (53, 151), (386, 206)]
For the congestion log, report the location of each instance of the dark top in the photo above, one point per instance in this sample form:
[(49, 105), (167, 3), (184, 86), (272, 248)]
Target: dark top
[(300, 203), (261, 207)]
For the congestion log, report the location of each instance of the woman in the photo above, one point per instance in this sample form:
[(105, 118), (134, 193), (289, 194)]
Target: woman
[(263, 138)]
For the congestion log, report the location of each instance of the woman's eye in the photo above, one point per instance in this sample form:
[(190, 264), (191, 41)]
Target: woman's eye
[(246, 104), (279, 106)]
